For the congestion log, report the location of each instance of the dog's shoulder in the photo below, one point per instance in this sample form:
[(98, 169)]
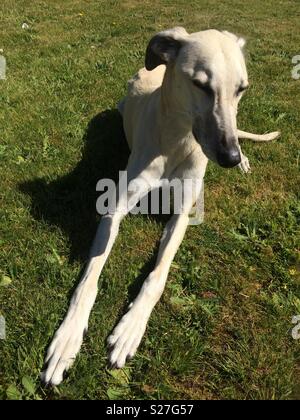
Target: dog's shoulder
[(145, 82)]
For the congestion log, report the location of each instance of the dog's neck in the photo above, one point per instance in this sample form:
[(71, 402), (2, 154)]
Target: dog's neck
[(170, 105), (176, 122)]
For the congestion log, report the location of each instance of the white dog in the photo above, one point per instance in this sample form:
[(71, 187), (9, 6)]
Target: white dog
[(180, 111)]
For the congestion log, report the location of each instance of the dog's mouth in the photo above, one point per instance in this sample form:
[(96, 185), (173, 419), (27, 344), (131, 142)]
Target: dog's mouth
[(203, 144)]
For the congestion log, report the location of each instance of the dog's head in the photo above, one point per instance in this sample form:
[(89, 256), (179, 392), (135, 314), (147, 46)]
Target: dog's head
[(209, 76)]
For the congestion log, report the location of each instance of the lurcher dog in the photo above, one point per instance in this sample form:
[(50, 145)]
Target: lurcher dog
[(180, 112)]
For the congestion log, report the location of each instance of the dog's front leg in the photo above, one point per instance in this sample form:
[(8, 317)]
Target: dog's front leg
[(127, 335), (68, 338)]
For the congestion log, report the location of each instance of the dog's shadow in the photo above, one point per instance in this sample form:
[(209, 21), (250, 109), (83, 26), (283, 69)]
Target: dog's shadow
[(69, 202)]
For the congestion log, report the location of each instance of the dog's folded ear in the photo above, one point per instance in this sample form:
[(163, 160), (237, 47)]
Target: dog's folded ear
[(164, 47)]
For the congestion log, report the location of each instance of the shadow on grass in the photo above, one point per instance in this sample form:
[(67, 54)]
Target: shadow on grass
[(70, 201)]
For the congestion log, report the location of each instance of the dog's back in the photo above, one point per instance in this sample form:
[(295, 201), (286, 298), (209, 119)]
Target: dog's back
[(140, 87), (145, 82)]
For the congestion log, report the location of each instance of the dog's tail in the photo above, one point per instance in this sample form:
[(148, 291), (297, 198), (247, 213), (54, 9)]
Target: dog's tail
[(258, 137)]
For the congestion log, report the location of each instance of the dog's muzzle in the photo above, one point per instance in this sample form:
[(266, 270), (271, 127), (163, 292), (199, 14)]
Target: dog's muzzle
[(228, 154), (228, 158)]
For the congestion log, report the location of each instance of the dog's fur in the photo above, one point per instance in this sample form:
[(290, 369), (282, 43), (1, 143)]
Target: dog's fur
[(179, 112)]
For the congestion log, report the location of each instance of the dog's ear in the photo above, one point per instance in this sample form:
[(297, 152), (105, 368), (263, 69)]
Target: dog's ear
[(164, 47)]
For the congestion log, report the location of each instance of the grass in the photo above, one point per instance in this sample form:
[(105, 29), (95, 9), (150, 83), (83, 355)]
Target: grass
[(223, 327)]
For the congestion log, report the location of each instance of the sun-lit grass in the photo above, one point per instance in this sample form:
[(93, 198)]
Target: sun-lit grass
[(223, 326)]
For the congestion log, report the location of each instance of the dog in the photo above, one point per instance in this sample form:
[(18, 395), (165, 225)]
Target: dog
[(180, 111)]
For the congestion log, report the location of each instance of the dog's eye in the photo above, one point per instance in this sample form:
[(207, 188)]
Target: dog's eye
[(241, 89), (203, 86)]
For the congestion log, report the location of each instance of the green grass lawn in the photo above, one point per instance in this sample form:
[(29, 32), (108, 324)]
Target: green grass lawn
[(223, 327)]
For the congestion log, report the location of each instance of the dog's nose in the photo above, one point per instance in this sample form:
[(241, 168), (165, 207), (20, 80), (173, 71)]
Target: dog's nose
[(229, 158)]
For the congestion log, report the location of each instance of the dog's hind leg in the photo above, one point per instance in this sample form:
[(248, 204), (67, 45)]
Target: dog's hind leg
[(68, 338)]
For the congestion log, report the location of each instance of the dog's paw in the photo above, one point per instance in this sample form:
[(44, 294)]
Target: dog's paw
[(62, 352), (126, 338), (245, 165)]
